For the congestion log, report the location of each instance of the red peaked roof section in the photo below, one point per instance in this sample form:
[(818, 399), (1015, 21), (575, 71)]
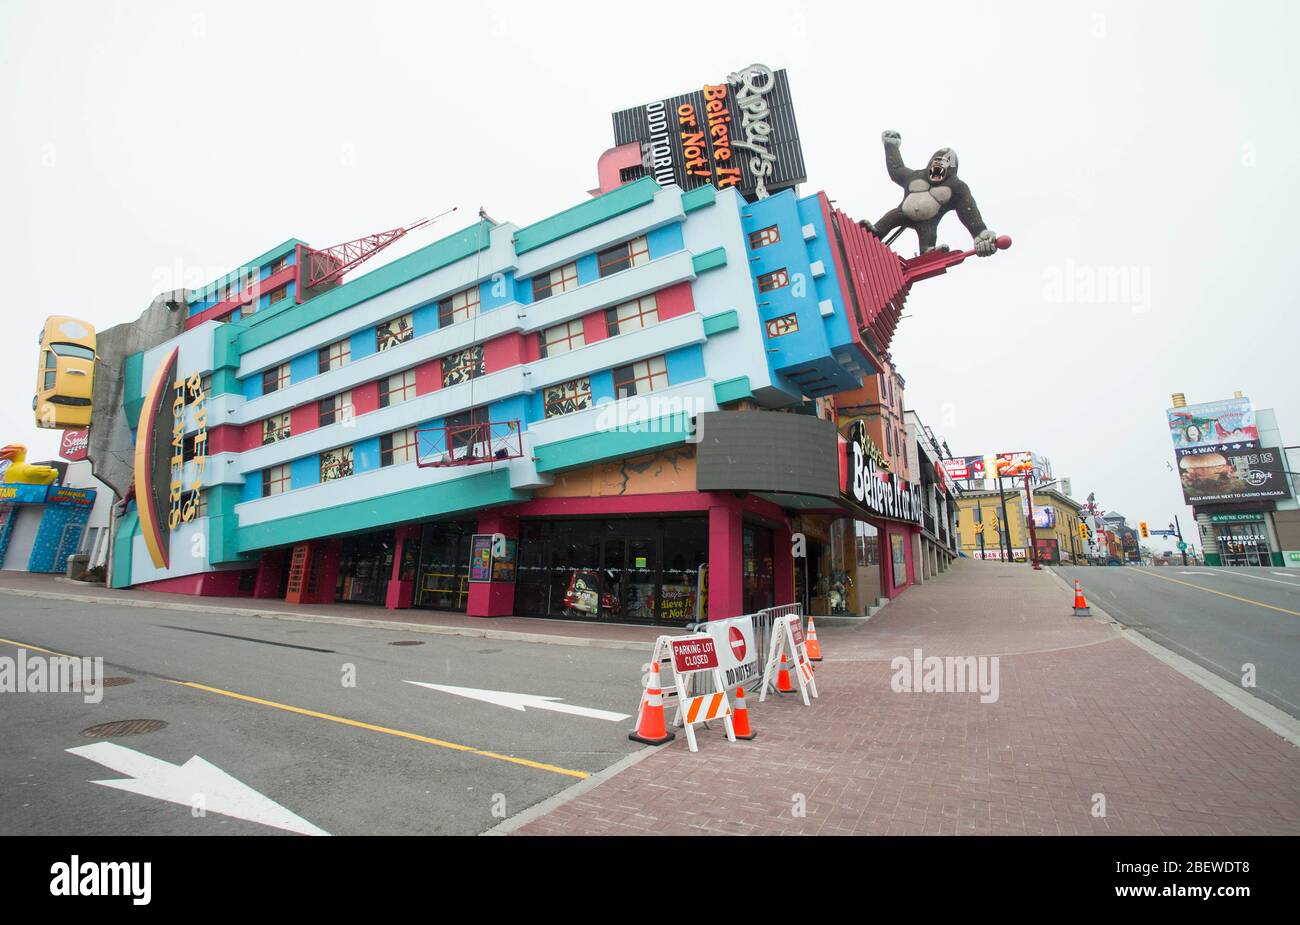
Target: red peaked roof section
[(880, 279)]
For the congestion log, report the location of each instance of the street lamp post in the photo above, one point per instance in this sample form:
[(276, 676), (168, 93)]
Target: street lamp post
[(1006, 524), (1178, 528), (1029, 519)]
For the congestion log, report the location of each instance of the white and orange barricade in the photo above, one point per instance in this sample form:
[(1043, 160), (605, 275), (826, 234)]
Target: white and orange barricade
[(694, 658), (789, 652)]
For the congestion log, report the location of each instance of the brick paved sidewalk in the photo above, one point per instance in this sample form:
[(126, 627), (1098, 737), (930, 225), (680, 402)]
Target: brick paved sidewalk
[(1081, 711)]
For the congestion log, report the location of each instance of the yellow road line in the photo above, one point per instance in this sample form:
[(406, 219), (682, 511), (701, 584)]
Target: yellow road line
[(415, 737), (28, 645), (1244, 600), (357, 724)]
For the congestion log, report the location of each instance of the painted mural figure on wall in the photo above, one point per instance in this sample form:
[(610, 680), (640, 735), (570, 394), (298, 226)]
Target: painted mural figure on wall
[(929, 195)]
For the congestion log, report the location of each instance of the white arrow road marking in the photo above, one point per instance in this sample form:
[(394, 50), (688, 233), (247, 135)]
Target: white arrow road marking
[(521, 701), (181, 783)]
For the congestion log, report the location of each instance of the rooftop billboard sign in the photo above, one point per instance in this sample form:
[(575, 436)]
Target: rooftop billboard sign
[(740, 133)]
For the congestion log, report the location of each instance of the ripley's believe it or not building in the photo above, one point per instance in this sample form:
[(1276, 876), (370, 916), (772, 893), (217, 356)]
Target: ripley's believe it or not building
[(620, 412)]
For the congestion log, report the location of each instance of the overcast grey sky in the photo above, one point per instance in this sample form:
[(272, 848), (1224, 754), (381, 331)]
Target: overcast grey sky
[(149, 144)]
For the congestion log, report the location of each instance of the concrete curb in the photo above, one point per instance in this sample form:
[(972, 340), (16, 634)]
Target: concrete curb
[(392, 625), (1262, 712), (537, 810)]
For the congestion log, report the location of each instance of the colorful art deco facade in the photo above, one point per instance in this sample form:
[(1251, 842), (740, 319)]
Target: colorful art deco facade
[(553, 386)]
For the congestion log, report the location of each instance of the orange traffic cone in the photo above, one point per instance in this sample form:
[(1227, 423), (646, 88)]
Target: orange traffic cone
[(740, 717), (651, 728), (1081, 608), (783, 685), (810, 642)]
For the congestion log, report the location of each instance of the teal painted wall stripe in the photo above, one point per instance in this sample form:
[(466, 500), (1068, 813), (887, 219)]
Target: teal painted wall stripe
[(234, 276), (133, 388), (698, 198), (266, 326), (223, 525), (616, 202), (710, 260), (463, 494), (576, 451), (721, 321), (126, 529), (732, 389)]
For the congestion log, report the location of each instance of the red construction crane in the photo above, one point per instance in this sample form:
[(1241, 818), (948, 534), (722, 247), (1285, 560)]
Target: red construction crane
[(319, 270)]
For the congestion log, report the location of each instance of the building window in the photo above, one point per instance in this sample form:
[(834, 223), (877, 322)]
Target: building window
[(275, 378), (459, 307), (202, 510), (623, 256), (463, 366), (562, 338), (336, 408), (763, 237), (639, 378), (567, 397), (333, 356), (391, 333), (632, 316), (398, 448), (336, 464), (468, 434), (275, 428), (786, 324), (397, 388), (561, 279), (279, 265), (774, 280), (275, 480), (279, 295)]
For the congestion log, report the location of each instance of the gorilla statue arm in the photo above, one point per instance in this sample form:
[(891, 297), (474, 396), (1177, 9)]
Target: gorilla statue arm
[(968, 213), (898, 171)]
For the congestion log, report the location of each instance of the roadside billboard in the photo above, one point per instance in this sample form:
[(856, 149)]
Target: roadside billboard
[(1235, 475), (1211, 424), (965, 468)]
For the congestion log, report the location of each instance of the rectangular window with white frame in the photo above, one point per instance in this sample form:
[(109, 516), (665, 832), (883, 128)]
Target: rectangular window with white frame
[(641, 378), (336, 409), (397, 448), (623, 256), (275, 378), (553, 282), (333, 356), (397, 388), (462, 306), (632, 316), (561, 338), (275, 480)]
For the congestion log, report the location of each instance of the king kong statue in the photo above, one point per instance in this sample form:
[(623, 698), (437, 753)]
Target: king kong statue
[(929, 195)]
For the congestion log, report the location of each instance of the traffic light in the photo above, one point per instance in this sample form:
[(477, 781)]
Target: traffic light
[(1083, 531), (1142, 525)]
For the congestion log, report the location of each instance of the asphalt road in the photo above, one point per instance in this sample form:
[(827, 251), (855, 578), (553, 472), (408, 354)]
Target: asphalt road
[(1220, 618), (266, 702)]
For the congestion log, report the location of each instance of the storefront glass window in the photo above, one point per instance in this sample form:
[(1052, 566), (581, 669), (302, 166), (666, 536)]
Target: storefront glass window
[(612, 570)]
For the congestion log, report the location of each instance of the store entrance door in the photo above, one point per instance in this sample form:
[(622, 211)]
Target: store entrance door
[(443, 575), (1244, 544), (631, 570)]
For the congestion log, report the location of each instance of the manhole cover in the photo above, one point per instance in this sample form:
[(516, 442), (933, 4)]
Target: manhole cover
[(123, 727), (110, 682), (407, 642)]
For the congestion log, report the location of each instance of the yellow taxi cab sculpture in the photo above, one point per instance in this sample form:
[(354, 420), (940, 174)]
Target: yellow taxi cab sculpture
[(65, 374)]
